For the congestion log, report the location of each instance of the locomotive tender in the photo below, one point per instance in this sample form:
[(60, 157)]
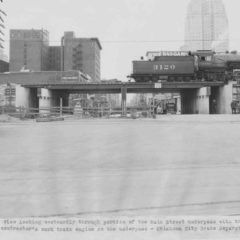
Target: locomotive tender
[(202, 65)]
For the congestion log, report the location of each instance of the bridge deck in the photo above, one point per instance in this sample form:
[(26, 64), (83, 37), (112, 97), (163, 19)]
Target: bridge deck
[(116, 87)]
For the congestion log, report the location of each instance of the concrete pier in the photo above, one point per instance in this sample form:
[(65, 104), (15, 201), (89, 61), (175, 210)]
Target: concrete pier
[(224, 97), (208, 100), (196, 101), (201, 101), (45, 100), (51, 98)]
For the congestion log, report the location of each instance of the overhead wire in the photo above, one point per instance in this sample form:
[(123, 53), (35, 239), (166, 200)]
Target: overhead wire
[(132, 41)]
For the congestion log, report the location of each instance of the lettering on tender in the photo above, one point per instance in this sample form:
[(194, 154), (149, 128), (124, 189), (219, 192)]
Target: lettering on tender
[(165, 67)]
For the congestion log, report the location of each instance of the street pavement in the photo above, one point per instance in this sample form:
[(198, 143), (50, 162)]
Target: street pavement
[(172, 165)]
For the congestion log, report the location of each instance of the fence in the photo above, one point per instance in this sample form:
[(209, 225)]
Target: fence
[(92, 112), (23, 112)]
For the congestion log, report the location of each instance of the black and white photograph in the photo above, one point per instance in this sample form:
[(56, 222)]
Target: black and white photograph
[(119, 119)]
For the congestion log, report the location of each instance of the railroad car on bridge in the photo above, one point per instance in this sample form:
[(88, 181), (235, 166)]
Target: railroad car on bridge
[(186, 66)]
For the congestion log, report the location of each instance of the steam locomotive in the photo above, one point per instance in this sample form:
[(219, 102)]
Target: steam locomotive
[(201, 65)]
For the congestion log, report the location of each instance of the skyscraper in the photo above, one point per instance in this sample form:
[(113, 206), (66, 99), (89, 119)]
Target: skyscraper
[(206, 26)]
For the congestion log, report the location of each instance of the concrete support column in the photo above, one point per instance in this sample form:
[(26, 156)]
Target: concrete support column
[(45, 100), (202, 100), (124, 101), (22, 97), (196, 101), (224, 97)]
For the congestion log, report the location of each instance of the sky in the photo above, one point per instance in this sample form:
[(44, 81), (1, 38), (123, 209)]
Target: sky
[(127, 29)]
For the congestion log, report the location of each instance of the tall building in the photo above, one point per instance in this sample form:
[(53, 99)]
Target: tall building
[(4, 64), (54, 58), (3, 55), (81, 54), (206, 26), (29, 50)]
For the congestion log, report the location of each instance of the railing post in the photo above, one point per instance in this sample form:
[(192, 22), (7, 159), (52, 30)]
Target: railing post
[(61, 106), (124, 100)]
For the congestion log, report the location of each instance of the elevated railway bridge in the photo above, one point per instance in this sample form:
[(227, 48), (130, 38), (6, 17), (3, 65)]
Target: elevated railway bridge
[(129, 87), (196, 97)]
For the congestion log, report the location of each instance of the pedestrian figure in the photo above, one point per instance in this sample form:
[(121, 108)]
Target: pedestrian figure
[(214, 106), (234, 107)]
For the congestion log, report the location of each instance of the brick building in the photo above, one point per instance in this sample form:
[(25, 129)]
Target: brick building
[(54, 58), (81, 54), (29, 50)]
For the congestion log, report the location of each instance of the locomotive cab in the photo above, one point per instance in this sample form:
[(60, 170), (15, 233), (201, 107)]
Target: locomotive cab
[(208, 68), (205, 58)]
